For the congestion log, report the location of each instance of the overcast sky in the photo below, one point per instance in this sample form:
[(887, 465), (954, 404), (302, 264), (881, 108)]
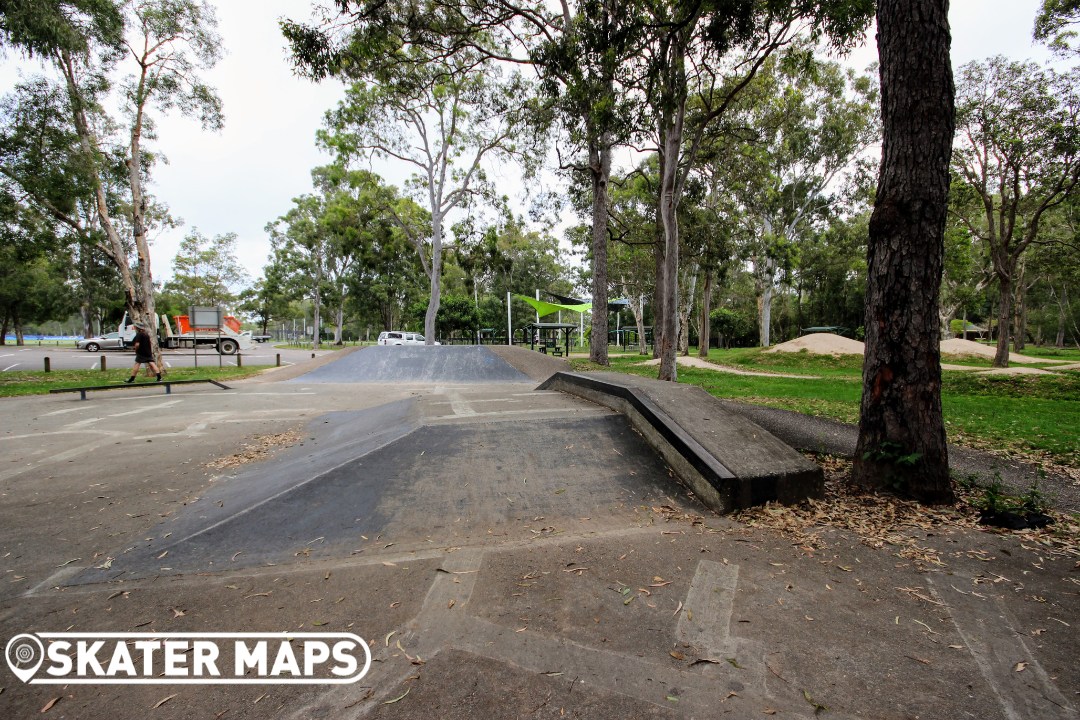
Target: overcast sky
[(245, 176)]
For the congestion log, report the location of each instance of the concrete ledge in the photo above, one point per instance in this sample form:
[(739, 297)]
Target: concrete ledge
[(729, 462)]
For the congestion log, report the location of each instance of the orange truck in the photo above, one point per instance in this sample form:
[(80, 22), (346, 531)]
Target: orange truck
[(179, 332)]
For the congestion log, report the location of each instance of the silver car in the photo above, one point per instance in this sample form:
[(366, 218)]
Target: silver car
[(108, 341)]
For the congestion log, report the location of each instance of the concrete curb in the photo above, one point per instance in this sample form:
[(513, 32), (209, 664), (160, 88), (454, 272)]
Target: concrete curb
[(724, 470)]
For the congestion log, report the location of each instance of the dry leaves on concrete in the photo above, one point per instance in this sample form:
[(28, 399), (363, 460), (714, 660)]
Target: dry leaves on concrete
[(881, 520), (259, 448)]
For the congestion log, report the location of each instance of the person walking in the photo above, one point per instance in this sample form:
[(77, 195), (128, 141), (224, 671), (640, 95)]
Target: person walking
[(144, 353)]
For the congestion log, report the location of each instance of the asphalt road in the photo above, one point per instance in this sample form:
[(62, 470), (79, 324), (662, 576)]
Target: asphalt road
[(32, 357)]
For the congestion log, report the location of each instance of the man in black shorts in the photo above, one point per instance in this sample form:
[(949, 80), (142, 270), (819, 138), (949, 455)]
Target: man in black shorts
[(144, 353)]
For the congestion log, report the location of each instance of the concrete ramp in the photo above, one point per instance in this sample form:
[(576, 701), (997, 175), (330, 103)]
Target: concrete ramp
[(729, 462), (398, 487), (417, 364)]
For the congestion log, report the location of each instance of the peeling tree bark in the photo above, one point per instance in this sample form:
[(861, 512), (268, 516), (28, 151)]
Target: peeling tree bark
[(704, 333), (600, 170), (901, 432)]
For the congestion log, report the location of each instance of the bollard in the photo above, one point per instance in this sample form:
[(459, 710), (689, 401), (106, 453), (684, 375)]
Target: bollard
[(279, 359), (312, 356), (48, 365), (102, 363), (239, 360)]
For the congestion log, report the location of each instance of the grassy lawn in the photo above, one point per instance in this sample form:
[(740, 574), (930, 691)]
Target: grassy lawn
[(39, 382), (1034, 415)]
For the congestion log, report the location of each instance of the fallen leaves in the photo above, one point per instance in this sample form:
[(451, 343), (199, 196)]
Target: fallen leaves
[(164, 700), (49, 705), (258, 448), (401, 697)]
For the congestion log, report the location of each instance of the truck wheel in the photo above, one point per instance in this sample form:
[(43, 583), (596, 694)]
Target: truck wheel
[(228, 347), (93, 347)]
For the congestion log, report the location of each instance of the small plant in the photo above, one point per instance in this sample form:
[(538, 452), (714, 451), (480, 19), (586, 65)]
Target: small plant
[(890, 452), (994, 500), (966, 481), (1034, 500), (998, 507)]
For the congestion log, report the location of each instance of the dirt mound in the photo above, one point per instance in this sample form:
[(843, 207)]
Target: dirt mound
[(821, 344), (970, 348), (1015, 371), (706, 365)]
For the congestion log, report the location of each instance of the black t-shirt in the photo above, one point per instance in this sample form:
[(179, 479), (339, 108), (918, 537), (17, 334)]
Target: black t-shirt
[(143, 348)]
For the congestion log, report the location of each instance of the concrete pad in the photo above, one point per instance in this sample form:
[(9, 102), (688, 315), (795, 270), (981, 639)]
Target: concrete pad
[(417, 364), (533, 561), (729, 462)]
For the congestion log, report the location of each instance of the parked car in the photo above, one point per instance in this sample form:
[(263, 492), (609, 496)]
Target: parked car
[(108, 341), (397, 337)]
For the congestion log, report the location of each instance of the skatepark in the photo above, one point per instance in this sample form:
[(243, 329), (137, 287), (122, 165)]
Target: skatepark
[(512, 540)]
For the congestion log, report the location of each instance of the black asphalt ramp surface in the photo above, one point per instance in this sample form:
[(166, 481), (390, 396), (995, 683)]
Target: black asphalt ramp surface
[(456, 481), (417, 364)]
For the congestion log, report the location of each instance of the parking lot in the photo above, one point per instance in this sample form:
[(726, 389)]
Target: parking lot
[(32, 357)]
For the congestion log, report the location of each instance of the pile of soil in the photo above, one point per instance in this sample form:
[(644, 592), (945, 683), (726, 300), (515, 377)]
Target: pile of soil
[(821, 344), (706, 365), (970, 348)]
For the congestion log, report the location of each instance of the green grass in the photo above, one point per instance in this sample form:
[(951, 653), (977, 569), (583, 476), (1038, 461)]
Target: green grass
[(1034, 415), (39, 383)]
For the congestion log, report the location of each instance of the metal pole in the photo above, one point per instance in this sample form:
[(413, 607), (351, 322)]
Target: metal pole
[(509, 328)]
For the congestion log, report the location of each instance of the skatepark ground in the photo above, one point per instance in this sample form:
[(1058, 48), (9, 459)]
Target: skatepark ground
[(506, 552)]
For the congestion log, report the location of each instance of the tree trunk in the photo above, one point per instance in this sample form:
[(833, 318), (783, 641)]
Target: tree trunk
[(901, 441), (669, 203), (87, 320), (4, 329), (639, 322), (658, 282), (600, 169), (706, 303), (436, 277), (1059, 342), (1004, 318), (765, 314), (339, 320), (1020, 313), (686, 306)]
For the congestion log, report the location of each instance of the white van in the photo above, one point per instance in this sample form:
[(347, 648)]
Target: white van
[(397, 337)]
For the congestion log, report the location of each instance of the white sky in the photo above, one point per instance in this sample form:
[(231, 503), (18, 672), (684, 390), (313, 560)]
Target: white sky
[(240, 179)]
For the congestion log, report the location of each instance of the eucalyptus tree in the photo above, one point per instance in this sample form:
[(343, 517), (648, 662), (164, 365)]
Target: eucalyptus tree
[(1056, 25), (710, 52), (43, 27), (580, 52), (43, 175), (633, 241), (1018, 155), (901, 444), (357, 218), (163, 44), (444, 121), (206, 270), (809, 122), (300, 245)]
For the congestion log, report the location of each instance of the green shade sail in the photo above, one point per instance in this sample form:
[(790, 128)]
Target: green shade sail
[(546, 308)]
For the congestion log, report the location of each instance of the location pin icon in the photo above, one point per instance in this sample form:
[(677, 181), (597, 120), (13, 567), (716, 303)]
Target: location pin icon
[(24, 654)]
